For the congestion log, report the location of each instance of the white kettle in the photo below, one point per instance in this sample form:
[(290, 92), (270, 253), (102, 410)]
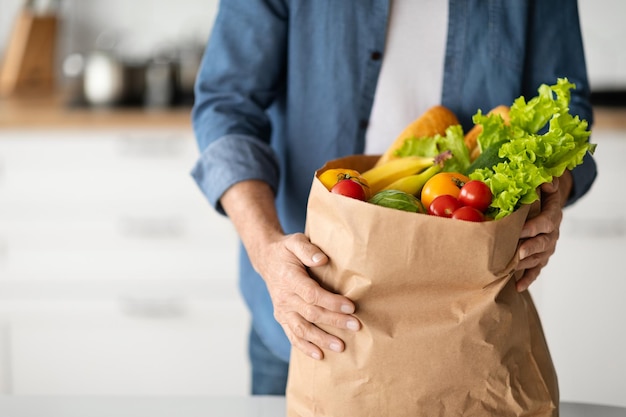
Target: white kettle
[(103, 82)]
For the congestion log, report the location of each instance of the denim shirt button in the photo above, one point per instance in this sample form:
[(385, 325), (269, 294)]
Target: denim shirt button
[(376, 56), (363, 124)]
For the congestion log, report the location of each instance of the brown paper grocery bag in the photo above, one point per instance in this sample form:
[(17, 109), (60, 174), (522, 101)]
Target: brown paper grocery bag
[(444, 332)]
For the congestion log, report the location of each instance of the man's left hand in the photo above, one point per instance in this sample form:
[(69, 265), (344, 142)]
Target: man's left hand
[(541, 232)]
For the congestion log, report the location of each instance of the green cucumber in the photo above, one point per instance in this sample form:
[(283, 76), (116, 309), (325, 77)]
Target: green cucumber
[(488, 158)]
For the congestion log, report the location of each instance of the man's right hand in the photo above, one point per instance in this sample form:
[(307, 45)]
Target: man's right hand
[(300, 303)]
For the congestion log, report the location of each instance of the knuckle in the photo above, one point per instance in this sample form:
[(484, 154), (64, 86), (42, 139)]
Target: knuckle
[(549, 243), (311, 313), (337, 321), (280, 302), (551, 227), (341, 322), (297, 242), (283, 315), (301, 241), (536, 259), (308, 293), (542, 243), (299, 330)]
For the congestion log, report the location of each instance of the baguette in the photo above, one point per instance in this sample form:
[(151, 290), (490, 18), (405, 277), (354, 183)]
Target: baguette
[(432, 122)]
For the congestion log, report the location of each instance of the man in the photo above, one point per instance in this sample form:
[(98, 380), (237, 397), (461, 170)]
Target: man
[(287, 85)]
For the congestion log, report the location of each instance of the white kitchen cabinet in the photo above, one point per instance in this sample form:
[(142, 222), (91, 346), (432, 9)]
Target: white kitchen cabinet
[(580, 293), (116, 276), (101, 195), (85, 351)]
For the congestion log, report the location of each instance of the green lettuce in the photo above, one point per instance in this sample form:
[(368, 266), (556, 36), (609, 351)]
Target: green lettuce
[(532, 154), (452, 141), (494, 129)]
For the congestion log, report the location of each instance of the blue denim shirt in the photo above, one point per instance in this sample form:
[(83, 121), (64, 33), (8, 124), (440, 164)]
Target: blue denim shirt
[(286, 85)]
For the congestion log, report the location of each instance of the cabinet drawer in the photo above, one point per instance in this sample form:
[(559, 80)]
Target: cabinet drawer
[(130, 246), (175, 238), (94, 176), (123, 336), (94, 150), (100, 354)]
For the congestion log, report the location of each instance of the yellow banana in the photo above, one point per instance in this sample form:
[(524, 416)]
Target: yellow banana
[(413, 184), (381, 176)]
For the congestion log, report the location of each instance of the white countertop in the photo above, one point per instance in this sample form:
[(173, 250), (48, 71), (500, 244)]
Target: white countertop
[(68, 406), (105, 406)]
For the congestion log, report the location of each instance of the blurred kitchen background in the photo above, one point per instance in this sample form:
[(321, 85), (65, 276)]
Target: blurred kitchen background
[(117, 278)]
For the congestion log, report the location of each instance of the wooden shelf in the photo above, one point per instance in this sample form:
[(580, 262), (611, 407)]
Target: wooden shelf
[(610, 118), (53, 113)]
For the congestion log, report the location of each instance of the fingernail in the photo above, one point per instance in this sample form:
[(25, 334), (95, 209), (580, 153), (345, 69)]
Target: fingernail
[(347, 308), (352, 325), (317, 257), (523, 253), (316, 355), (335, 347)]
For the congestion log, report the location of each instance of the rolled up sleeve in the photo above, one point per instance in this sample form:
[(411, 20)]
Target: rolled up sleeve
[(231, 159)]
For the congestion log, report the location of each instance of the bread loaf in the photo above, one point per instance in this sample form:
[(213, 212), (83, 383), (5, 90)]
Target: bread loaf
[(432, 122)]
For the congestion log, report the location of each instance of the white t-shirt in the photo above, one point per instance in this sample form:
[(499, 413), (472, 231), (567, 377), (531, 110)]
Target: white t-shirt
[(411, 75)]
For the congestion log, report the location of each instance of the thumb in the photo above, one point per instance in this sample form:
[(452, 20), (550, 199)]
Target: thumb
[(550, 187)]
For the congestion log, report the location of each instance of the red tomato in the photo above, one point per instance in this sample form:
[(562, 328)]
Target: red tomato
[(476, 194), (349, 188), (469, 214), (442, 183), (444, 205)]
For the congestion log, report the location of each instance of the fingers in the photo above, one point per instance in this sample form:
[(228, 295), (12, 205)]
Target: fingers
[(302, 308), (548, 220), (309, 338), (290, 300), (530, 275), (309, 254), (300, 320), (316, 314), (531, 250), (541, 234), (534, 255), (300, 303), (310, 292), (550, 187)]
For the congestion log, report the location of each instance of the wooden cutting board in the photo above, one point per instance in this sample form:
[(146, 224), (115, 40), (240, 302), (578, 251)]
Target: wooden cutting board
[(28, 66)]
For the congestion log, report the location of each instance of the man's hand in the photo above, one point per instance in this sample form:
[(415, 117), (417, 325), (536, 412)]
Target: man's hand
[(542, 232), (300, 304)]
